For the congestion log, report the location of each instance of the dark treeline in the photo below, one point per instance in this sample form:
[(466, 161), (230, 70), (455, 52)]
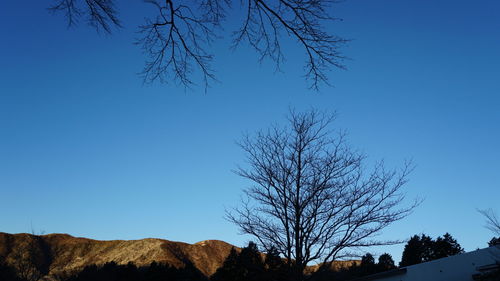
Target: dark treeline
[(112, 271), (130, 272), (251, 265), (367, 266)]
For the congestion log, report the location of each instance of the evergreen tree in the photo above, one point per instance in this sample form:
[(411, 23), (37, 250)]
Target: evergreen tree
[(385, 262), (427, 248), (245, 266), (367, 265), (276, 269), (367, 260), (417, 250), (423, 249), (229, 269), (494, 241), (251, 261), (446, 246), (413, 252)]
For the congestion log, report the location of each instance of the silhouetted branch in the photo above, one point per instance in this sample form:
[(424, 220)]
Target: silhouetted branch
[(178, 39), (301, 20), (101, 14), (492, 221)]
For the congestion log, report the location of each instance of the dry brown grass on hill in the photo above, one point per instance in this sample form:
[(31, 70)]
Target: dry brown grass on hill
[(335, 266), (65, 253)]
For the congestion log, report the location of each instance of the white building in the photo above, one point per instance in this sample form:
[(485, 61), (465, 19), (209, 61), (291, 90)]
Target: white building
[(462, 267)]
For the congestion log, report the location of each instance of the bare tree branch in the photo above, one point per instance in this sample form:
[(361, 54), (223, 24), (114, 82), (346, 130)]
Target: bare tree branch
[(492, 221), (302, 21), (101, 14), (178, 39)]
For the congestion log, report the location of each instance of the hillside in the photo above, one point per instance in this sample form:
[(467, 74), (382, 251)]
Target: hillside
[(58, 253)]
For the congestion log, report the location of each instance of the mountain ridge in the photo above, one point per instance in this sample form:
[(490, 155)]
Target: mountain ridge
[(59, 253)]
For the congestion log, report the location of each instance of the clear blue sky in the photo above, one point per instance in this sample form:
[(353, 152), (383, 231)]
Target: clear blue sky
[(86, 149)]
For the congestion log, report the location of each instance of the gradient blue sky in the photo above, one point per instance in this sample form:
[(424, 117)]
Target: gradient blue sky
[(86, 149)]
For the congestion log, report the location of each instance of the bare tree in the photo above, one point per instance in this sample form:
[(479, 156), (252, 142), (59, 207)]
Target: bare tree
[(312, 198), (177, 41), (492, 221)]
